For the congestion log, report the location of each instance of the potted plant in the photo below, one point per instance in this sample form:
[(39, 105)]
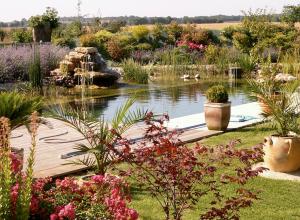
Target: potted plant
[(42, 25), (217, 109), (282, 150)]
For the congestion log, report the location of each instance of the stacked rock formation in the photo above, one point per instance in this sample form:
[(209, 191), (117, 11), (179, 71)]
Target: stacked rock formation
[(84, 66)]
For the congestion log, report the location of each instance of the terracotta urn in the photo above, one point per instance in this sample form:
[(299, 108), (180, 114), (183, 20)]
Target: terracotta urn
[(282, 154), (217, 115)]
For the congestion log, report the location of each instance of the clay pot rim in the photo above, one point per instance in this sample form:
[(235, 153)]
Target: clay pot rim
[(285, 137), (216, 104)]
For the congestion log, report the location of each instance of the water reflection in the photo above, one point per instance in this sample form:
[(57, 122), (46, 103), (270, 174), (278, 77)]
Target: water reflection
[(176, 100)]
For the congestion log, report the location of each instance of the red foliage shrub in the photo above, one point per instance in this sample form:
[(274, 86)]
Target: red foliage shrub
[(116, 50), (177, 176)]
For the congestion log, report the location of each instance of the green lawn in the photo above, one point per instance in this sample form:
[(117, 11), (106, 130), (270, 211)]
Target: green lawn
[(278, 199)]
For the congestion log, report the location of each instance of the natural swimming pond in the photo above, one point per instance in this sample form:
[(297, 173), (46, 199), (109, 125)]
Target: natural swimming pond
[(177, 98)]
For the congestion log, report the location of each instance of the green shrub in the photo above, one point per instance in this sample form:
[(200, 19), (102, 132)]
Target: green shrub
[(21, 36), (103, 36), (134, 72), (140, 33), (158, 35), (258, 32), (217, 94), (88, 40), (114, 26), (64, 42), (211, 54), (174, 31), (143, 46)]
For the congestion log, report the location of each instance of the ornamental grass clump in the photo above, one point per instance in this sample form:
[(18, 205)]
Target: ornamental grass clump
[(217, 94), (134, 72), (179, 176), (18, 107)]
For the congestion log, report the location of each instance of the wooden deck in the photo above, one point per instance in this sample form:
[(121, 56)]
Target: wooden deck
[(55, 144)]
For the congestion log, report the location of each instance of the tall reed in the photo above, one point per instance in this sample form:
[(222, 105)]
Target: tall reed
[(134, 72), (35, 72), (290, 62)]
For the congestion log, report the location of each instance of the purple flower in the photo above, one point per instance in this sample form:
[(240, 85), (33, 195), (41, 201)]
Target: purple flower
[(15, 60)]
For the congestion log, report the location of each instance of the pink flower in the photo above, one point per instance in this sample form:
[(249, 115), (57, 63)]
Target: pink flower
[(15, 163), (34, 205), (68, 212), (98, 179), (14, 192), (54, 217)]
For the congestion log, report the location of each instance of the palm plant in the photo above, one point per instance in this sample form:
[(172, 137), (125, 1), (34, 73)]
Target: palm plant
[(283, 110), (101, 136), (17, 107)]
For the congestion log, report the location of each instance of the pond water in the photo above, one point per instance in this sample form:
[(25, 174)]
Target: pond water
[(177, 98)]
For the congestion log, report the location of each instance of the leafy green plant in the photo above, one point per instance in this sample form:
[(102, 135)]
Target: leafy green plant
[(217, 94), (134, 72), (21, 36), (283, 108), (64, 42), (18, 107), (50, 16), (100, 135)]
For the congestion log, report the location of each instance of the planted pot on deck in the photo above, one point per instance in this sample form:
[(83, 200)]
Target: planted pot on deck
[(217, 110)]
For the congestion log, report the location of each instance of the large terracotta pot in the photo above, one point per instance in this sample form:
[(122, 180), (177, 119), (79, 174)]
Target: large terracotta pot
[(42, 33), (217, 115), (282, 154)]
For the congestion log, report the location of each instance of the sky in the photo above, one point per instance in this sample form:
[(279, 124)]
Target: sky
[(18, 9)]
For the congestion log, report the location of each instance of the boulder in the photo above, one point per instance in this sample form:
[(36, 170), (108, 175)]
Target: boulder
[(86, 50), (97, 78), (66, 66), (84, 62), (55, 72)]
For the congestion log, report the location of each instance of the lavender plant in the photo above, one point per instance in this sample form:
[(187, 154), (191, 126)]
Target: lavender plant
[(15, 60)]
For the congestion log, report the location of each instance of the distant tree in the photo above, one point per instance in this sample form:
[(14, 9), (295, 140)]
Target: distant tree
[(21, 36), (291, 14), (114, 26), (2, 34)]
